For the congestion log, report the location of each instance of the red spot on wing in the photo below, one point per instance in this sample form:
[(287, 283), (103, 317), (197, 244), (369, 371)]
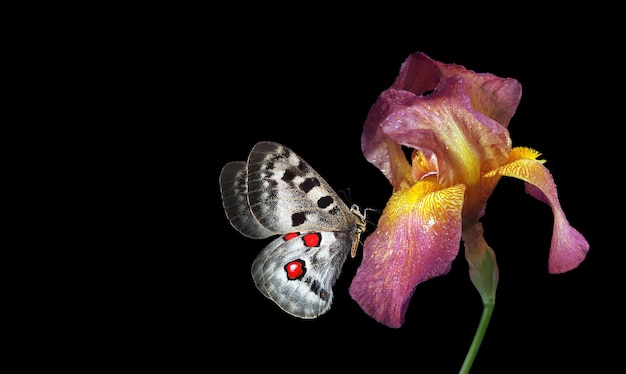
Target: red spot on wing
[(290, 235), (312, 240), (295, 269)]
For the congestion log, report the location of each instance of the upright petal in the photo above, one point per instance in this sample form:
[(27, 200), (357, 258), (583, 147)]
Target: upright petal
[(569, 247), (417, 238), (491, 95), (380, 150), (456, 116)]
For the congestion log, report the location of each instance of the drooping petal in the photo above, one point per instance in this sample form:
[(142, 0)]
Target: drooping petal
[(417, 238), (569, 247)]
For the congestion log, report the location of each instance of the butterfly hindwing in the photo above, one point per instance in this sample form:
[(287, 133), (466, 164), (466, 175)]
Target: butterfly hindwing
[(298, 271)]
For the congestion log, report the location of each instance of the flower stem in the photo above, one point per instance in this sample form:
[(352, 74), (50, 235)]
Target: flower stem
[(478, 337), (483, 272)]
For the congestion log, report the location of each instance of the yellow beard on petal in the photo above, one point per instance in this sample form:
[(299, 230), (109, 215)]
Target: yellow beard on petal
[(519, 153), (404, 201)]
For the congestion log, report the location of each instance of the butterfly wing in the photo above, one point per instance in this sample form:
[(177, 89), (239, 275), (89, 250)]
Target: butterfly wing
[(234, 187), (276, 192), (285, 194), (298, 272)]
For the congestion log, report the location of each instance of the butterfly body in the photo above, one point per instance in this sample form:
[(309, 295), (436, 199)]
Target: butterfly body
[(276, 193)]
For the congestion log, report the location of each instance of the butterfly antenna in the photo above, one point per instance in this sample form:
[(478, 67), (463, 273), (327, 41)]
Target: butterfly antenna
[(347, 196)]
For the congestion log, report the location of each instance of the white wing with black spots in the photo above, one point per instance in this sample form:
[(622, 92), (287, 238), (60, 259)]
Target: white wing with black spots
[(298, 276), (275, 192)]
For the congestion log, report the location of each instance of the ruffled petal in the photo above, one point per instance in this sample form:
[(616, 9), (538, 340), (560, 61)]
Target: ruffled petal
[(491, 95), (377, 148), (452, 114), (569, 247), (417, 238)]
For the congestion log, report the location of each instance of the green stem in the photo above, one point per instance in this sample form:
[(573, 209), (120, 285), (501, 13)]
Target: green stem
[(478, 337), (483, 271)]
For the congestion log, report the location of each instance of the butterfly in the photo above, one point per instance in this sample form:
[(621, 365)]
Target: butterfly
[(275, 192)]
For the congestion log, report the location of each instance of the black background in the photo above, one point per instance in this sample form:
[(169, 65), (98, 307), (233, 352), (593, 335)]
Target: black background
[(224, 82)]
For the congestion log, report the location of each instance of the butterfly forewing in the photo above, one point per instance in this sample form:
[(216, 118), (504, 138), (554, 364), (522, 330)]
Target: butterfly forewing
[(286, 194)]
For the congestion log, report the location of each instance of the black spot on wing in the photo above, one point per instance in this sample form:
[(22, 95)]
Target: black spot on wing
[(317, 289), (309, 184), (303, 167), (298, 218), (315, 286), (288, 176), (325, 201)]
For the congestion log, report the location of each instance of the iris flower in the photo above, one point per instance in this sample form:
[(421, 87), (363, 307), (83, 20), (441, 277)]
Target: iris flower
[(439, 134)]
